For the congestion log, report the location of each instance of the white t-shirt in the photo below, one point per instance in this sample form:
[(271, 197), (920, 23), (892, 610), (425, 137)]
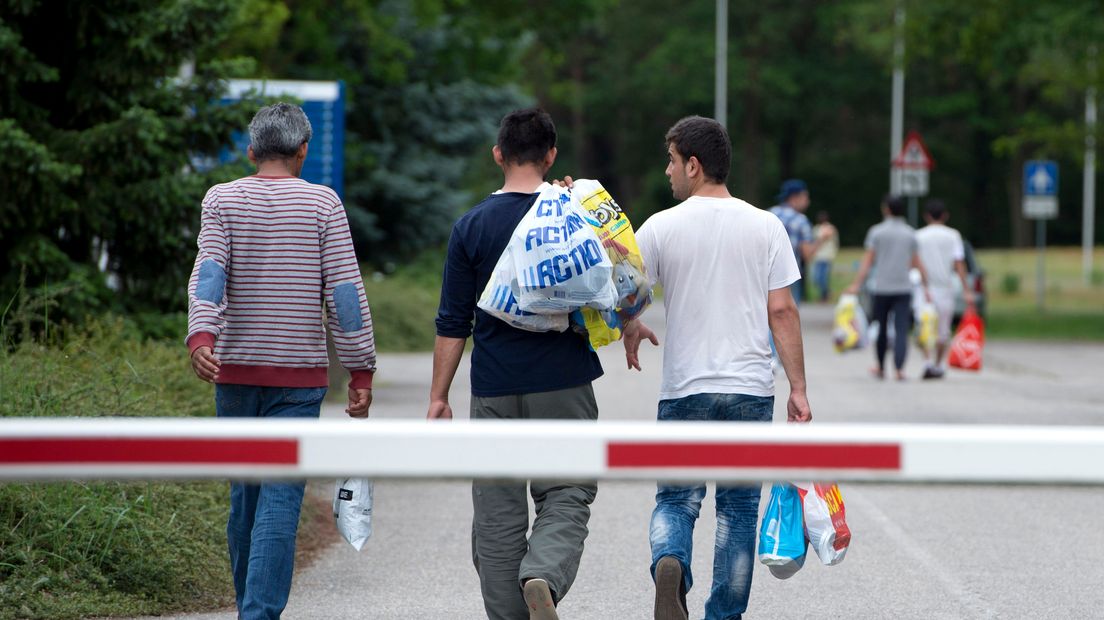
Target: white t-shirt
[(939, 247), (717, 259)]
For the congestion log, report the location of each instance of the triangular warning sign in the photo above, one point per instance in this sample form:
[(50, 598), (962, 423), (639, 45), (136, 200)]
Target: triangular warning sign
[(914, 154)]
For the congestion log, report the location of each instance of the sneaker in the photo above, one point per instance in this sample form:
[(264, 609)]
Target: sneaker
[(670, 600), (538, 598), (931, 372)]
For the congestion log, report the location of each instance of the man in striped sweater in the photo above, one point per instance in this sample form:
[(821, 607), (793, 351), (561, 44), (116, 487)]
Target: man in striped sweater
[(272, 247)]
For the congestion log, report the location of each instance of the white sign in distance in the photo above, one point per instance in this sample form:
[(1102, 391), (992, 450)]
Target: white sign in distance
[(1040, 207), (910, 181)]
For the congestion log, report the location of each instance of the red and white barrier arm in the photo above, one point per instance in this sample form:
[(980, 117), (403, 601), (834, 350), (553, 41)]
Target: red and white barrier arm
[(159, 448)]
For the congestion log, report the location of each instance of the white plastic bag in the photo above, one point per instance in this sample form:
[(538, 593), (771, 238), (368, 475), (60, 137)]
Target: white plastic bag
[(825, 521), (499, 299), (561, 265), (352, 509)]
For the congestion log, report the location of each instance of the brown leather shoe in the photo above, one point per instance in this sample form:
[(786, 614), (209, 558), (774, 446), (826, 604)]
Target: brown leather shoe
[(670, 600)]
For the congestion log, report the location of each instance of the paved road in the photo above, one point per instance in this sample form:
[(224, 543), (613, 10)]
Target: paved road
[(919, 551)]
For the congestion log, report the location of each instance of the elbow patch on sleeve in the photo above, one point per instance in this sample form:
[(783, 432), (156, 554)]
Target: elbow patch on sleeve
[(347, 304), (211, 283)]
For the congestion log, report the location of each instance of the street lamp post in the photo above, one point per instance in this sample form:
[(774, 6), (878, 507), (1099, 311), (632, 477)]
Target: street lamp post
[(720, 94)]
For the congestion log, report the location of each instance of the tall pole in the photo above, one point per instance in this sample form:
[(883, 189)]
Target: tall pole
[(1088, 189), (720, 94), (897, 123), (1040, 263)]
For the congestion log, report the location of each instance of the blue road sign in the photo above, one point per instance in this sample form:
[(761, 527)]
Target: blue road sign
[(1040, 178), (324, 104)]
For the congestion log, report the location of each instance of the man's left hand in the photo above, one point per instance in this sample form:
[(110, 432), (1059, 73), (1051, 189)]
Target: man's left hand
[(636, 331)]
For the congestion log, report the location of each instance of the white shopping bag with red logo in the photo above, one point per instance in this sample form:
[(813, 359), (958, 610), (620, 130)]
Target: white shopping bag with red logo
[(968, 342), (825, 521)]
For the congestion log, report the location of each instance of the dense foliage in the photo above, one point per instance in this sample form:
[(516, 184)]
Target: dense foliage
[(99, 134)]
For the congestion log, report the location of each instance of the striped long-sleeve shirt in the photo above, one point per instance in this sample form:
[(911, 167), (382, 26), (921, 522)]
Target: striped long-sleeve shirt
[(271, 250)]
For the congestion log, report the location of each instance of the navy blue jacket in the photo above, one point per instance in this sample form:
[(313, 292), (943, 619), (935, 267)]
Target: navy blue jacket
[(505, 360)]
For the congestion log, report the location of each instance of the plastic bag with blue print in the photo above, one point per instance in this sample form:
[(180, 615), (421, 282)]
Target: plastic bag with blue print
[(559, 261)]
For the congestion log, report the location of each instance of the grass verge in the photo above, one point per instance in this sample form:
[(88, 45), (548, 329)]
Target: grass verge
[(1074, 308), (73, 550), (404, 303), (1037, 325)]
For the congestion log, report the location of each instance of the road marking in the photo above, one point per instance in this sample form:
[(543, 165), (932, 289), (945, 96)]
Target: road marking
[(969, 601)]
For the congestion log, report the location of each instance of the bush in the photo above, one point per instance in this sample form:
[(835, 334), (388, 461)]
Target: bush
[(1010, 284)]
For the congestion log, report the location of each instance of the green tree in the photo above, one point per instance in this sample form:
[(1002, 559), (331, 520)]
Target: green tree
[(1006, 80), (99, 135), (426, 83)]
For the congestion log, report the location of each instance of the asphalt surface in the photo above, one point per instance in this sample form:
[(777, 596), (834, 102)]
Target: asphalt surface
[(918, 551)]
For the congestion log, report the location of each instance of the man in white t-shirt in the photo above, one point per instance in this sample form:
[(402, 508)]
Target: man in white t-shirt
[(944, 257), (726, 268)]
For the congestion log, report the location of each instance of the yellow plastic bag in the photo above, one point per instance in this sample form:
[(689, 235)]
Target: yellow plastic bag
[(615, 233), (927, 326), (849, 331)]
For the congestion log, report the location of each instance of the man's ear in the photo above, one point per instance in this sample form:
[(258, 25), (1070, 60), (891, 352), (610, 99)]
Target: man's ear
[(497, 154), (250, 155), (301, 155), (550, 158), (693, 167)]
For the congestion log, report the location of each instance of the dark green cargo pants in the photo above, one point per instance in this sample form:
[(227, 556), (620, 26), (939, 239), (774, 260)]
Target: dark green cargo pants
[(503, 557)]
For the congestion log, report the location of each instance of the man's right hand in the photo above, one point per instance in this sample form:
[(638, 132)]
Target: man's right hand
[(439, 410), (205, 364), (360, 399), (797, 409)]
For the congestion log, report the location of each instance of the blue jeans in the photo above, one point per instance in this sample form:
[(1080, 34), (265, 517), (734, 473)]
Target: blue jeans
[(264, 518), (677, 508), (822, 273)]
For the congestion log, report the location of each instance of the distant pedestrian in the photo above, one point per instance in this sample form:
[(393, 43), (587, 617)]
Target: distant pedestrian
[(726, 269), (891, 250), (825, 254), (944, 256), (794, 200), (272, 249), (515, 375)]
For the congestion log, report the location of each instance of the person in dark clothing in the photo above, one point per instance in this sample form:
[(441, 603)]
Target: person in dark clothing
[(515, 374)]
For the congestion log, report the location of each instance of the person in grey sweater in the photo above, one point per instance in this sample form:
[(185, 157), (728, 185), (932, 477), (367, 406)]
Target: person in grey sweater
[(891, 251)]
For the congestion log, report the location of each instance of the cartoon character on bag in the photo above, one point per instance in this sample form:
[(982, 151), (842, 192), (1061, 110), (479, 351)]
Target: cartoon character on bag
[(634, 291)]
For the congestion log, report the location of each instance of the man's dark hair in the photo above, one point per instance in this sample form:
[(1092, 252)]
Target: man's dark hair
[(526, 136), (936, 209), (821, 217), (706, 139), (895, 204)]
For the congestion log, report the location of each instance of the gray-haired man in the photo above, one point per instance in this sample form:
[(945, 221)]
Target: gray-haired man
[(271, 246)]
